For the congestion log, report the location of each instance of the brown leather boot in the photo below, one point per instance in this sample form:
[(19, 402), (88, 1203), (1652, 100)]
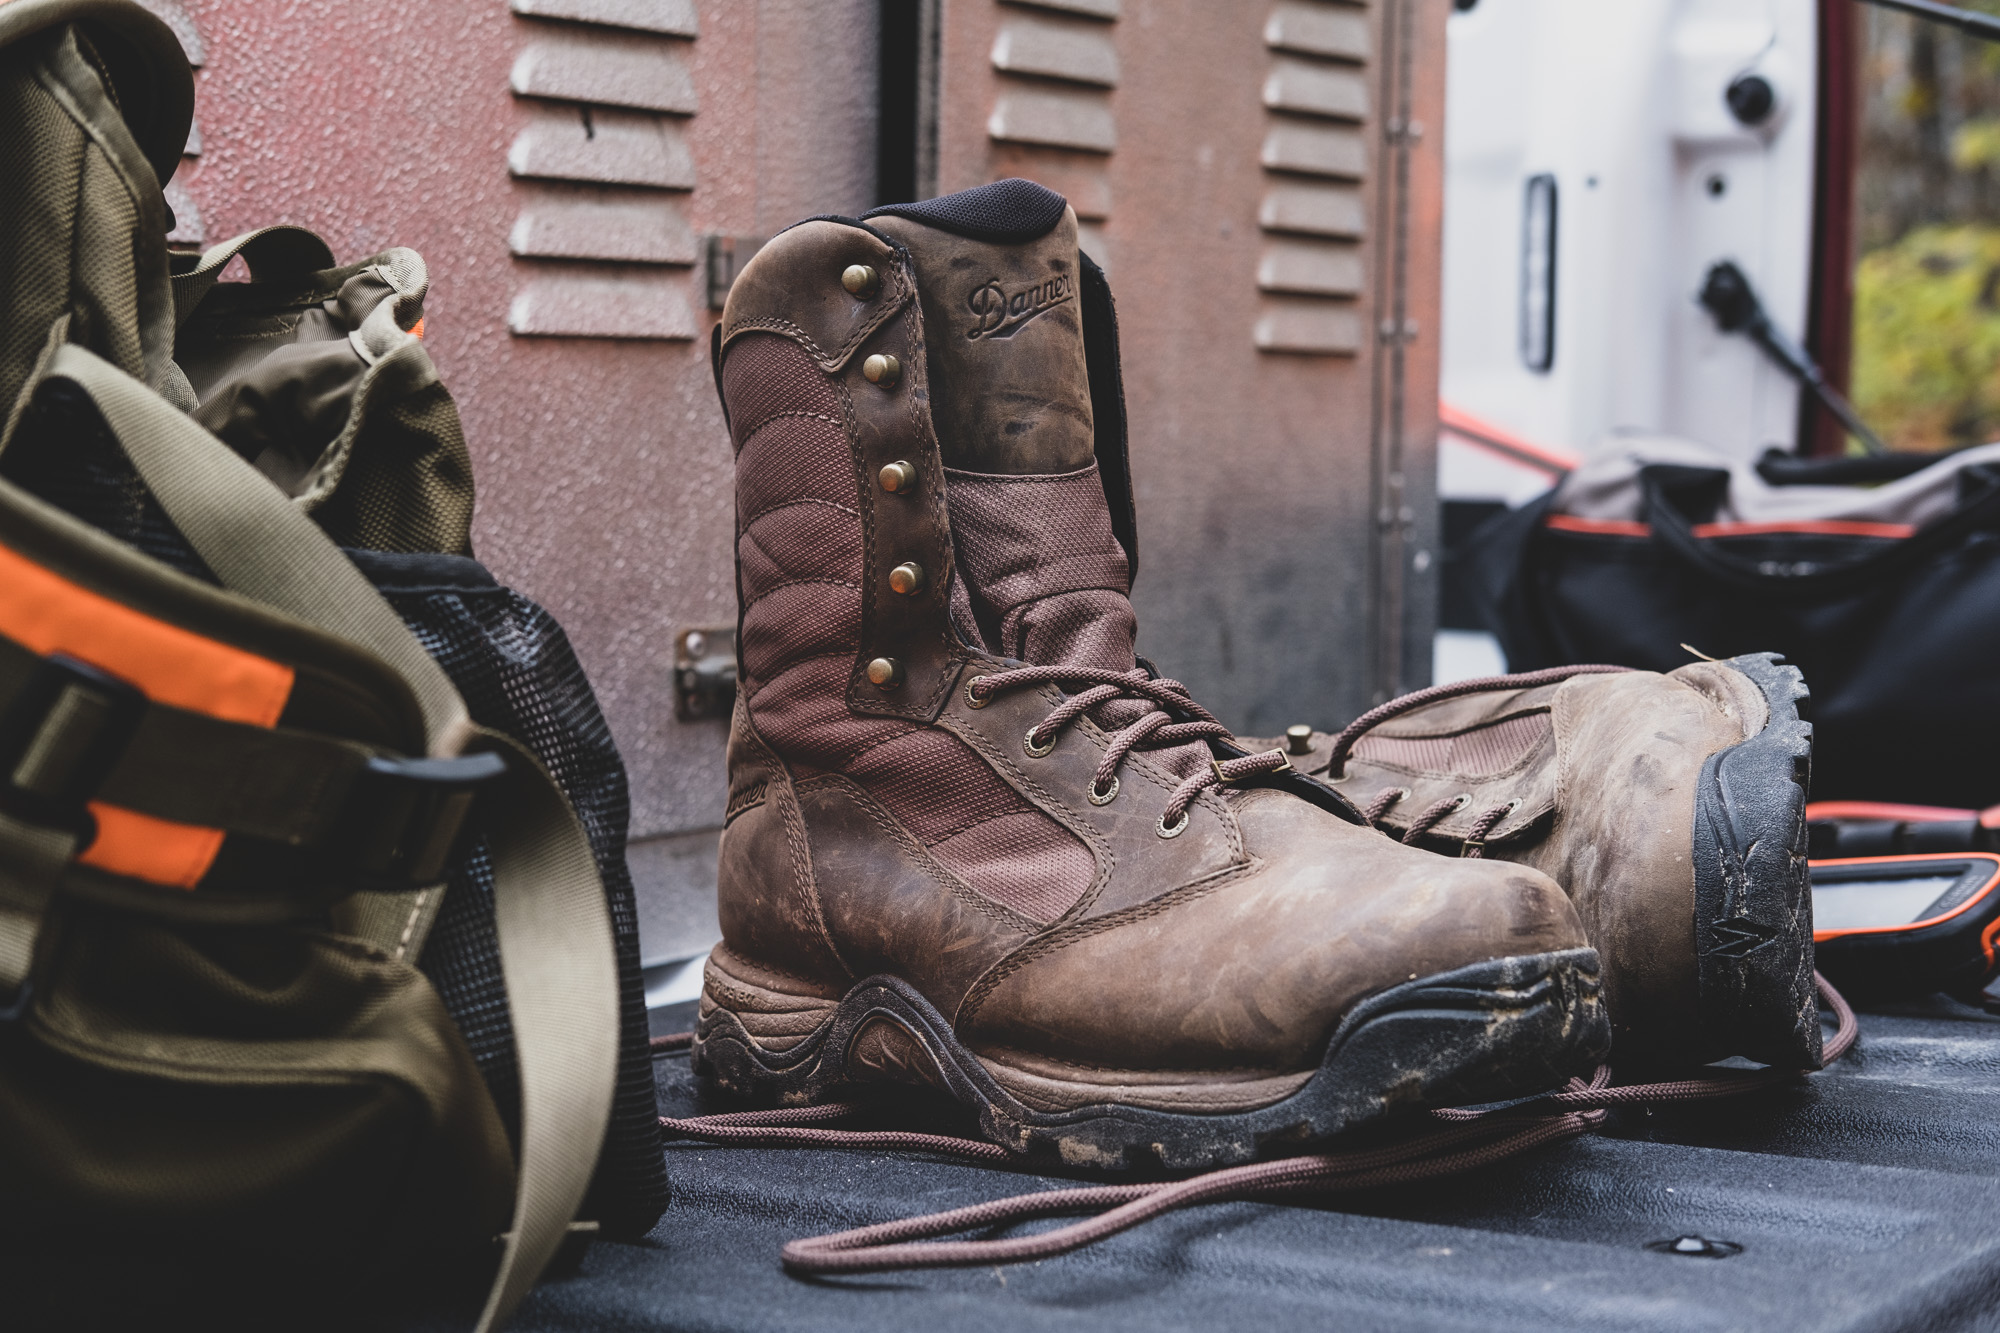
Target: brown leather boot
[(1672, 808), (1052, 891)]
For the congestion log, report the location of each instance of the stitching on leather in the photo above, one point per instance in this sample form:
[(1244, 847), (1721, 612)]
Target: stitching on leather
[(799, 583), (1123, 1069), (792, 821), (745, 434), (776, 324), (905, 294), (1070, 817), (796, 504), (840, 654), (1061, 937), (730, 955), (998, 913)]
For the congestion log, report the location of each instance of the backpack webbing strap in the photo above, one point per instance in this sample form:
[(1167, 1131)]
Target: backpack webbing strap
[(562, 994), (549, 907), (32, 862)]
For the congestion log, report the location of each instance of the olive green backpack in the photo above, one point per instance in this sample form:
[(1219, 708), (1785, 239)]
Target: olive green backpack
[(232, 787)]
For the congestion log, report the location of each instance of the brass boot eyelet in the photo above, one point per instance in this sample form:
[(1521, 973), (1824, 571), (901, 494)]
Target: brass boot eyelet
[(973, 698), (1038, 751), (1166, 830), (882, 369), (860, 280), (1107, 796)]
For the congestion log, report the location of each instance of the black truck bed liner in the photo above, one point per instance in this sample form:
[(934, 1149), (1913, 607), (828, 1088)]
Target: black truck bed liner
[(1867, 1197)]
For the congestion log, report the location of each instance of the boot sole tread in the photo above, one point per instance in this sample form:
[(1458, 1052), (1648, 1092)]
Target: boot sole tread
[(1492, 1031), (1753, 894)]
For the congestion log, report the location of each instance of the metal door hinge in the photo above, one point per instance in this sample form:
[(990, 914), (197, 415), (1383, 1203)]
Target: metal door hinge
[(726, 257), (704, 673)]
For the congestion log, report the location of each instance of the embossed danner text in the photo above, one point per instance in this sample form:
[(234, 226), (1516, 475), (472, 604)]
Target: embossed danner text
[(999, 313)]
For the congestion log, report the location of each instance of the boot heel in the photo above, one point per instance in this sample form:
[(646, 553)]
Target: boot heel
[(751, 1026)]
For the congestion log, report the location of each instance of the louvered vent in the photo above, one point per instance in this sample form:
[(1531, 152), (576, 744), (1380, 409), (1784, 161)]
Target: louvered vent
[(603, 231), (1315, 157), (1056, 67)]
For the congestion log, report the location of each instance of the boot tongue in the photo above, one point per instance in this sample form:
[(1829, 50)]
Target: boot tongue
[(1041, 576), (1003, 327)]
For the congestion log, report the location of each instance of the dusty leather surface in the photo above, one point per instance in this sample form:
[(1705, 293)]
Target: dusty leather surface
[(794, 289), (1249, 969), (1608, 804), (1236, 946), (1608, 807), (1006, 324), (890, 907), (767, 903)]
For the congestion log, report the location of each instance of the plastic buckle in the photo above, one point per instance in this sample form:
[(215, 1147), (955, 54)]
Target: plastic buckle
[(59, 739), (405, 815)]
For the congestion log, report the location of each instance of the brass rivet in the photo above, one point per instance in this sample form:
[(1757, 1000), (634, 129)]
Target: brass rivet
[(881, 369), (898, 477), (861, 280), (907, 578), (1298, 739), (886, 672)]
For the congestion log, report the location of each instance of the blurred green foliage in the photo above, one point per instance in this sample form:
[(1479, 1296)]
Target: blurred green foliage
[(1926, 369)]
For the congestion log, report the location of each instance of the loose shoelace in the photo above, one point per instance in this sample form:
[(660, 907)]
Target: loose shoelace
[(1157, 729), (1463, 1138), (1384, 801)]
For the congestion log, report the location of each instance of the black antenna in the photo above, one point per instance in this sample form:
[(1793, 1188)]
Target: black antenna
[(1983, 26), (1728, 295)]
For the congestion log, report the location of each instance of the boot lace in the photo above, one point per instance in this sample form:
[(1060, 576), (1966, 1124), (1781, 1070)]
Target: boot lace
[(1475, 840), (1456, 1139), (1156, 730)]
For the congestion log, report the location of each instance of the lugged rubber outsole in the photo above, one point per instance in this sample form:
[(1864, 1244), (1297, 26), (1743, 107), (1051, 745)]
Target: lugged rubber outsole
[(1488, 1032), (1753, 891)]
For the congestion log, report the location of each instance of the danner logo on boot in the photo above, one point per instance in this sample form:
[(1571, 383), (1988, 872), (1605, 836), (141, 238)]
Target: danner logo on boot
[(999, 313)]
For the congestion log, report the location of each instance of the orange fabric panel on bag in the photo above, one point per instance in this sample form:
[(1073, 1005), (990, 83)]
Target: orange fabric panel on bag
[(46, 613), (156, 850)]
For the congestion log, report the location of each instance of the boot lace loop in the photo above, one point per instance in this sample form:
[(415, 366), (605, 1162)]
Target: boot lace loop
[(1156, 730)]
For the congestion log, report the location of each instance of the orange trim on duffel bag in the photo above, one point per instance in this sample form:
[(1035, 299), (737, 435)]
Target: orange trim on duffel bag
[(1817, 527), (46, 613), (1830, 527), (1602, 527), (1890, 810)]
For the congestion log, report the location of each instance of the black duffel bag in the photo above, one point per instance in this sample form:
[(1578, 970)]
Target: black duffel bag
[(1879, 578)]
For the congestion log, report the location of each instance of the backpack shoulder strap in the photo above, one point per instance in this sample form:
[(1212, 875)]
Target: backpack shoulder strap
[(549, 907)]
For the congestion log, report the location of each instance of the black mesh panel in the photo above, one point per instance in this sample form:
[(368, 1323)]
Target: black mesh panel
[(1007, 212), (514, 666)]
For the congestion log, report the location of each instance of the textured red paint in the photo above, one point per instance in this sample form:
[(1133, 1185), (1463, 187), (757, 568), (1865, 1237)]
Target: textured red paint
[(1253, 471), (603, 468)]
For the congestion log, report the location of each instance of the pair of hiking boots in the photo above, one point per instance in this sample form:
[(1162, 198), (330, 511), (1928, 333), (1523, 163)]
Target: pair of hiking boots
[(974, 843)]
